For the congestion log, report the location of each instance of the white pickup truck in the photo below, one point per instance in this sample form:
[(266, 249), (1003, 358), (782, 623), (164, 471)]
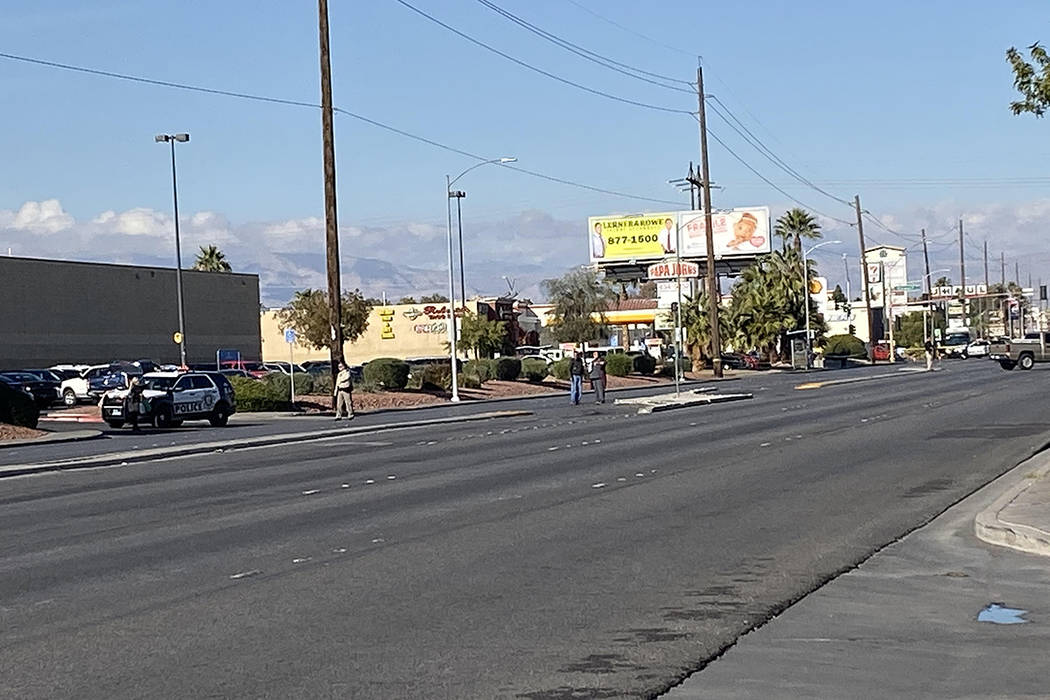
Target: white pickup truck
[(78, 389)]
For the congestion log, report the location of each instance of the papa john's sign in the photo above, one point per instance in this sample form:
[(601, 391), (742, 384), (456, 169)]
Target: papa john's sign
[(672, 269)]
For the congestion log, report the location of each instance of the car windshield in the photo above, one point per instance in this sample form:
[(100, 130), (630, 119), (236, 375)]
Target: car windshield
[(957, 340), (158, 383), (21, 376)]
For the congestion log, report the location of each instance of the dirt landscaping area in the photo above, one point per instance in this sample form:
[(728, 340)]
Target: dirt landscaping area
[(17, 432)]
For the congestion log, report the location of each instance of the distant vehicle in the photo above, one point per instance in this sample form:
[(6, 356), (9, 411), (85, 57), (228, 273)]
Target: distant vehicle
[(172, 397), (77, 389), (236, 373), (317, 366), (955, 344), (881, 351), (284, 367), (51, 375), (256, 369), (1020, 352), (44, 392), (978, 348)]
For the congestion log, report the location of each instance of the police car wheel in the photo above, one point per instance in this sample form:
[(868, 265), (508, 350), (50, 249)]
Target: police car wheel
[(220, 418), (164, 419)]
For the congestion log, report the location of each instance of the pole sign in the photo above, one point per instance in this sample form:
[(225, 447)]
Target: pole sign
[(289, 336), (672, 269), (956, 290)]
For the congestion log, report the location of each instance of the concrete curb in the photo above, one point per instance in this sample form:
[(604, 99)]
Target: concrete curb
[(990, 526), (52, 438), (125, 458)]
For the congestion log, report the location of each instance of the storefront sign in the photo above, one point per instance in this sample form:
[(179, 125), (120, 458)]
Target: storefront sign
[(672, 269), (438, 327)]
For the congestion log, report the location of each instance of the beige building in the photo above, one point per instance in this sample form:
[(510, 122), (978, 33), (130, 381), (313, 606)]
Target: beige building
[(396, 330)]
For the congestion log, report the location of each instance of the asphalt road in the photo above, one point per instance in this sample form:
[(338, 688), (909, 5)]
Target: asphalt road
[(576, 553)]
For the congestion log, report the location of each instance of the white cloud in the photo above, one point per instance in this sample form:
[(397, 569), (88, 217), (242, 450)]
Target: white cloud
[(134, 222), (41, 217)]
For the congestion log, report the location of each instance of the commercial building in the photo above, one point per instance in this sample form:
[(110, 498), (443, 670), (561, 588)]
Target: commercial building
[(401, 330), (54, 311)]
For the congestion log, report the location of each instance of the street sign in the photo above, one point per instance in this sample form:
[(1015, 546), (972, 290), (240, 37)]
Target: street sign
[(289, 336), (910, 287), (672, 269)]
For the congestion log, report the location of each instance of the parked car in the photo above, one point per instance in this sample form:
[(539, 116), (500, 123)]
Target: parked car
[(284, 367), (173, 397), (955, 344), (76, 389), (256, 369), (45, 392), (317, 366), (49, 375), (236, 373)]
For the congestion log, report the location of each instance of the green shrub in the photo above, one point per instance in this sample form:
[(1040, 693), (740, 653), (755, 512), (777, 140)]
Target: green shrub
[(483, 370), (322, 384), (560, 369), (257, 395), (468, 381), (387, 373), (534, 369), (843, 344), (508, 368), (17, 407), (304, 383), (644, 364), (435, 377), (618, 364), (667, 367)]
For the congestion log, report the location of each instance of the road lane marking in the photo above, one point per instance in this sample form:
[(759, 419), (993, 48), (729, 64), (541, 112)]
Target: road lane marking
[(311, 492), (245, 574), (853, 380)]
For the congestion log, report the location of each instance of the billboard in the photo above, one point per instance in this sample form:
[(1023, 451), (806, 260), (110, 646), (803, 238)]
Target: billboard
[(743, 232), (623, 238)]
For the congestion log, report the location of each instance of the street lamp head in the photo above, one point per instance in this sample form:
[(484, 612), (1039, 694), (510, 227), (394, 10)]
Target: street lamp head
[(508, 160), (182, 138), (161, 138)]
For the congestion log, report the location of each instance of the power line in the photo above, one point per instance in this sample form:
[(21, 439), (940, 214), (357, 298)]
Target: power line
[(605, 61), (529, 66), (298, 103), (770, 182), (758, 145), (631, 31)]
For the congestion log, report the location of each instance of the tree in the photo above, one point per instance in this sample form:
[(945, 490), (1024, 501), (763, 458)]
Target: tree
[(910, 331), (307, 313), (211, 259), (838, 297), (767, 304), (577, 297), (406, 300), (697, 323), (1032, 80), (482, 336), (433, 299), (794, 225)]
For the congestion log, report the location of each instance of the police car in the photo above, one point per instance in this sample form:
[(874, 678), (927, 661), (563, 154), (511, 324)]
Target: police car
[(169, 398)]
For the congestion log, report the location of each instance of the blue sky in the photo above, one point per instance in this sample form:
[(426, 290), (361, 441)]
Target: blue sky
[(902, 102)]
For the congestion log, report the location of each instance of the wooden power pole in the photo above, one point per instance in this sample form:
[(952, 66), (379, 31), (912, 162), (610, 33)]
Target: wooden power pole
[(864, 276), (712, 280), (335, 312)]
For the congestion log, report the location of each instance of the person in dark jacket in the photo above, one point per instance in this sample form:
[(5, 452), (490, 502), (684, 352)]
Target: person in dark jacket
[(133, 403), (577, 370), (597, 376)]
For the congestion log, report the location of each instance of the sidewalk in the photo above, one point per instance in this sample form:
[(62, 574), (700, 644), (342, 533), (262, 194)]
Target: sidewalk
[(922, 618)]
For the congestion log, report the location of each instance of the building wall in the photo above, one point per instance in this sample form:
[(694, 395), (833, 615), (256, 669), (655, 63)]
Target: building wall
[(396, 330), (63, 312)]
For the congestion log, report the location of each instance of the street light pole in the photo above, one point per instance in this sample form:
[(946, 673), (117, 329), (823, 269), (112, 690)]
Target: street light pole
[(805, 296), (449, 194), (171, 139)]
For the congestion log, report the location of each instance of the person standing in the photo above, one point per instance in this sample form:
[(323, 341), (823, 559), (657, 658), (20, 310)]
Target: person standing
[(133, 404), (343, 392), (597, 377), (577, 369), (930, 349)]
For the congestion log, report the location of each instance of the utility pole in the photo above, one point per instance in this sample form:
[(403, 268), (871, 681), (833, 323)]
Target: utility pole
[(845, 268), (712, 281), (1017, 273), (335, 311), (1002, 269), (929, 287), (692, 188), (962, 260), (986, 284), (864, 276)]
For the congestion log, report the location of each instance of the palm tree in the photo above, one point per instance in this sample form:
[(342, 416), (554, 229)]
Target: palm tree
[(211, 259), (794, 225)]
